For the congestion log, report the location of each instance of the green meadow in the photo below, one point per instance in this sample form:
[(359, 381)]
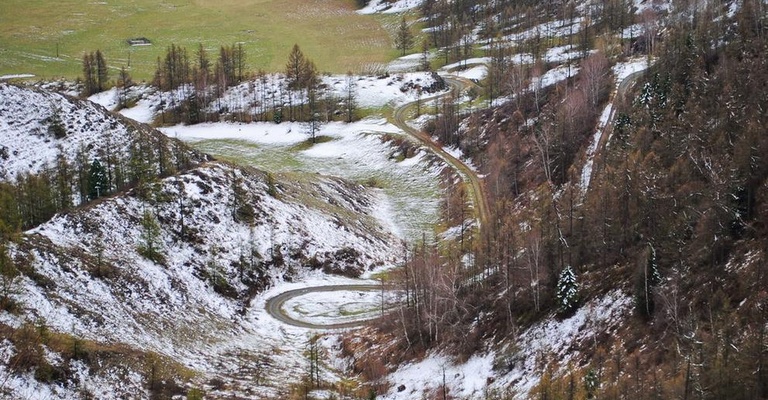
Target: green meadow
[(48, 38), (413, 194)]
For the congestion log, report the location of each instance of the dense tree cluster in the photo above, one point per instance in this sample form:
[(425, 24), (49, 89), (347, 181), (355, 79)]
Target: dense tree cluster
[(95, 73), (176, 69), (452, 23), (33, 199), (198, 90), (195, 82)]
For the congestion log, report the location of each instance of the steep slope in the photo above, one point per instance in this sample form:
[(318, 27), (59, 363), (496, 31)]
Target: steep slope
[(211, 260), (165, 269), (628, 265), (37, 126)]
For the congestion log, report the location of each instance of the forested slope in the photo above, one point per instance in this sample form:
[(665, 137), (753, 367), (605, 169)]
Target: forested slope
[(672, 217)]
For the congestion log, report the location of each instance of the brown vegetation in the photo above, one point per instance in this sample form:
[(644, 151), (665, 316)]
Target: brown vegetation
[(163, 377), (674, 215)]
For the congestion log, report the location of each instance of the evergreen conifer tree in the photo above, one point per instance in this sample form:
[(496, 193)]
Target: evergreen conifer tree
[(150, 237), (403, 37), (102, 73), (647, 278), (98, 183), (567, 291)]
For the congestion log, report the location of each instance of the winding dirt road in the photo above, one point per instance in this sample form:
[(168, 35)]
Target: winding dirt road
[(477, 190), (274, 305)]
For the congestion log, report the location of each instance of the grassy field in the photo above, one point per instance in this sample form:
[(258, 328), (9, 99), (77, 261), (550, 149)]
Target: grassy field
[(48, 38), (413, 194)]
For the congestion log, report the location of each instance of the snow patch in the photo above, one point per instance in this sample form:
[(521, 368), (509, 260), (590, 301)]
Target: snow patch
[(27, 137), (553, 76), (558, 339), (387, 7), (107, 99), (621, 71), (466, 380), (586, 172), (15, 76)]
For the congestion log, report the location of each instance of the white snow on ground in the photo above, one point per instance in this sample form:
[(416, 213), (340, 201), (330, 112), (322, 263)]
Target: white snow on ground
[(268, 133), (155, 307), (469, 61), (310, 230), (289, 344), (471, 68), (654, 5), (558, 28), (356, 152), (549, 78), (421, 121), (476, 73), (586, 172), (559, 339), (522, 59), (459, 155), (173, 309), (107, 99), (270, 90), (470, 380), (340, 306), (465, 381), (106, 382), (387, 7), (259, 132), (26, 116), (553, 76), (380, 91), (385, 214), (633, 31), (733, 8), (406, 63), (562, 54), (141, 112), (621, 72), (15, 76)]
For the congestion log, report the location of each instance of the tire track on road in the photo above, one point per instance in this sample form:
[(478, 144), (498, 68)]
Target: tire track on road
[(475, 183), (274, 305)]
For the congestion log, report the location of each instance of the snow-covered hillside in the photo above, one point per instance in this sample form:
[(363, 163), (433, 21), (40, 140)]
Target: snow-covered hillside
[(89, 279), (515, 368), (37, 125), (220, 236), (258, 95)]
